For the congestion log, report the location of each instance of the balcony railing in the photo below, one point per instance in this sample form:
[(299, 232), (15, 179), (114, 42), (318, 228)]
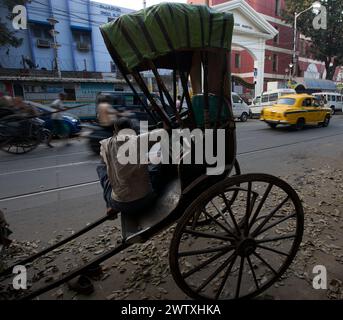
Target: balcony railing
[(48, 73)]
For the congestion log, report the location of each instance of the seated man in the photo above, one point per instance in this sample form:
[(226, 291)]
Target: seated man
[(127, 187)]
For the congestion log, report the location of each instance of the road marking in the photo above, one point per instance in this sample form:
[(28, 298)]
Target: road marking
[(51, 167), (38, 193), (287, 144)]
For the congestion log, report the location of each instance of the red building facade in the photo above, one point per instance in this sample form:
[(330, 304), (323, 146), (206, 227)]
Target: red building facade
[(278, 54)]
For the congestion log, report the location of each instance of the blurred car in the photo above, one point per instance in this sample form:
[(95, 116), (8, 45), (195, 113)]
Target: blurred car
[(296, 110), (71, 121)]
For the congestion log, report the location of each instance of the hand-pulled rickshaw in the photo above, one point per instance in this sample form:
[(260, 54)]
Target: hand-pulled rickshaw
[(236, 234), (20, 132)]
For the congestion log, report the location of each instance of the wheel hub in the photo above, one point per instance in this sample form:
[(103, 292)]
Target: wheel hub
[(246, 247)]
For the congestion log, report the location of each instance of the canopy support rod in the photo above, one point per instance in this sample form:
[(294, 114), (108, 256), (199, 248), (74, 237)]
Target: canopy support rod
[(222, 89), (204, 61), (163, 88), (138, 96), (188, 98), (174, 87), (147, 93)]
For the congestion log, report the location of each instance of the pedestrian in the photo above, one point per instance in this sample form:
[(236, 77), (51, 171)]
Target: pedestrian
[(59, 127)]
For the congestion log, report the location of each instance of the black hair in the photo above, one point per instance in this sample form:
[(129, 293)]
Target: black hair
[(104, 99), (122, 123)]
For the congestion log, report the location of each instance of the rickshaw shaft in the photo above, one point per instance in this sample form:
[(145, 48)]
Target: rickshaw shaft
[(56, 245)]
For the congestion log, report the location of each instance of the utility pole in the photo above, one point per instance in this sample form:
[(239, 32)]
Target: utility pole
[(314, 6), (53, 32), (144, 4)]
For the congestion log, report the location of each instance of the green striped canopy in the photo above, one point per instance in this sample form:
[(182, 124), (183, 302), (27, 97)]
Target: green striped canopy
[(165, 28)]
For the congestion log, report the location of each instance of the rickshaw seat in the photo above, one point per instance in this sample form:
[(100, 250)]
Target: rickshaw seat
[(164, 204)]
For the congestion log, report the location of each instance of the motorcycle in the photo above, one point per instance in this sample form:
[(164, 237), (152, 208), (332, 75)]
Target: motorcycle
[(95, 134)]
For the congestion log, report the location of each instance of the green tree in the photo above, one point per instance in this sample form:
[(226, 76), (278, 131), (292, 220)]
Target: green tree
[(326, 45), (8, 36)]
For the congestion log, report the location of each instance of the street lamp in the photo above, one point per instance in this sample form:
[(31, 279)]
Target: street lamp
[(53, 32), (315, 7)]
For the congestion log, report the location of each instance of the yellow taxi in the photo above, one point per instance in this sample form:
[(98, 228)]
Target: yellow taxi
[(296, 110)]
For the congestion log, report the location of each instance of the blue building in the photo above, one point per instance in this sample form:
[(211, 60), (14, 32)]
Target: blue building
[(30, 70), (81, 47)]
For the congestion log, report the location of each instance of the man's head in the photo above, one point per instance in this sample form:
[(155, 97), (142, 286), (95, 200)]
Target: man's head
[(104, 99), (62, 96), (6, 101), (122, 123)]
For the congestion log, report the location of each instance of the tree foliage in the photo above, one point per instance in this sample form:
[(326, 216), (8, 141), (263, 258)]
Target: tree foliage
[(326, 45), (7, 34)]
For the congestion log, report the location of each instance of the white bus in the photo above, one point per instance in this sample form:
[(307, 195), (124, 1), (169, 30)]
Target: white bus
[(333, 100), (268, 98)]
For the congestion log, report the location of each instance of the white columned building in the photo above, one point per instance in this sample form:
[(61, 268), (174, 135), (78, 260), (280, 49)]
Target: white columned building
[(251, 31)]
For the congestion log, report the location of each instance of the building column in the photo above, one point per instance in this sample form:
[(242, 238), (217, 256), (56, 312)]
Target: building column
[(259, 64)]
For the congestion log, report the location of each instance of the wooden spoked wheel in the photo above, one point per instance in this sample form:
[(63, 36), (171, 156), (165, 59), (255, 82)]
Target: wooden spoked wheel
[(245, 245)]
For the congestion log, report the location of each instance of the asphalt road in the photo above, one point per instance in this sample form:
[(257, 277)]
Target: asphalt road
[(49, 189)]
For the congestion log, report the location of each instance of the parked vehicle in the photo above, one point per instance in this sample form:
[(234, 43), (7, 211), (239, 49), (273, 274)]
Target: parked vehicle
[(267, 98), (240, 108), (296, 110), (333, 100), (73, 122)]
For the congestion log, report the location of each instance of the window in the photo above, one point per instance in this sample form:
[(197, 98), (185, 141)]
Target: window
[(41, 32), (129, 101), (286, 101), (276, 38), (307, 103), (328, 97), (257, 100), (113, 67), (237, 60), (316, 102), (275, 62), (265, 98), (333, 98), (273, 97), (277, 7), (117, 101), (82, 37), (235, 99), (339, 98)]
